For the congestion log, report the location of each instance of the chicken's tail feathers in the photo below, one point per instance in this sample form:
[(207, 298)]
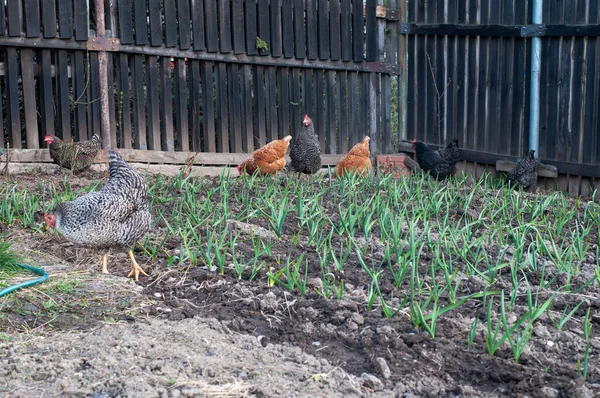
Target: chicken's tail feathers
[(116, 163)]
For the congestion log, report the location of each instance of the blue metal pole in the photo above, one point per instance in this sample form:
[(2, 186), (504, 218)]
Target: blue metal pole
[(534, 99)]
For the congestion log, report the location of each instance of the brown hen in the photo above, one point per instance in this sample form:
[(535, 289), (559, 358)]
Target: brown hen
[(267, 160), (358, 160)]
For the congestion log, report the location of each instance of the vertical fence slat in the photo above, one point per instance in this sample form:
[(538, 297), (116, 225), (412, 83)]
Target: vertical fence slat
[(93, 95), (139, 103), (358, 27), (371, 30), (29, 103), (2, 142), (364, 108), (334, 30), (330, 126), (198, 25), (386, 115), (124, 103), (276, 40), (46, 93), (13, 119), (312, 38), (308, 94), (170, 22), (225, 26), (153, 128), (62, 95), (239, 45), (346, 30), (222, 109), (195, 105), (141, 22), (354, 107), (320, 107), (271, 87), (323, 23), (259, 106), (81, 18), (299, 32), (48, 18), (283, 83), (181, 107), (288, 31), (183, 10), (156, 26), (31, 16), (251, 27), (247, 119), (208, 107), (125, 20), (13, 13), (295, 109), (2, 33), (166, 106), (110, 69), (235, 107), (264, 27), (342, 95), (78, 70)]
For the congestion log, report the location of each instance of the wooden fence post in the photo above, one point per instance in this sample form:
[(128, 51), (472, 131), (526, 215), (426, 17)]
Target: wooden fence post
[(102, 72)]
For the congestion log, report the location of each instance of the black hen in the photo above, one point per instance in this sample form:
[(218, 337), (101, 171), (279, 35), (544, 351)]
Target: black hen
[(433, 162), (305, 152), (524, 175)]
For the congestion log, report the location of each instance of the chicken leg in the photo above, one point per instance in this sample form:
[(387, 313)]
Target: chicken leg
[(136, 270), (105, 264)]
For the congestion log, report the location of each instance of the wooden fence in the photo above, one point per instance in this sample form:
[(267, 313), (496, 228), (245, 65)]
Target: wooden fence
[(468, 78), (199, 75)]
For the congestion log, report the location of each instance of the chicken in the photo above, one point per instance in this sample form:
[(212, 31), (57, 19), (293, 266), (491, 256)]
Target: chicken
[(267, 160), (440, 164), (524, 175), (116, 216), (305, 153), (358, 160), (75, 156)]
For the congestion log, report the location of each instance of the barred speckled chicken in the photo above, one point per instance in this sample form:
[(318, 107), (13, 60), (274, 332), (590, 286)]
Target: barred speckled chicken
[(524, 175), (75, 156), (116, 216)]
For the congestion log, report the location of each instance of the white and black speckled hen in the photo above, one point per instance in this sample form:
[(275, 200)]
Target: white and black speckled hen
[(116, 216), (305, 151), (524, 175)]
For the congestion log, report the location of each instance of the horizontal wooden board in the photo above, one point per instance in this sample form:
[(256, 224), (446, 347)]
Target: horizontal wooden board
[(544, 170)]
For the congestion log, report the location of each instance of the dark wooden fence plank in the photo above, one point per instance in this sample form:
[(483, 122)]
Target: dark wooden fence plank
[(276, 40), (358, 26), (386, 115), (125, 20), (198, 25), (48, 18), (31, 16), (312, 38), (182, 140), (296, 99), (208, 107), (195, 105), (283, 83), (288, 31), (78, 71), (125, 101), (247, 119), (110, 69), (93, 95), (235, 107), (153, 127), (251, 27), (364, 107), (335, 38), (239, 45), (29, 103), (62, 95), (183, 9), (13, 13), (264, 27), (271, 103), (320, 107), (13, 118), (222, 108), (259, 107), (166, 106), (81, 18), (299, 32), (141, 22), (171, 22), (343, 113), (371, 30), (2, 33), (139, 103), (225, 25), (330, 120), (323, 22), (346, 30), (308, 93), (2, 142), (156, 26), (354, 108), (46, 93)]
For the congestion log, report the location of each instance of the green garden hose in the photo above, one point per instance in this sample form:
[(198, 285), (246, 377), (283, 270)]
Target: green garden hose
[(43, 276)]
